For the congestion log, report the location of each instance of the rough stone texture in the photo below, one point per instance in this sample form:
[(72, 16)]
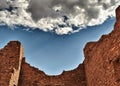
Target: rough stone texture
[(102, 58), (101, 66), (33, 77), (14, 71), (10, 64)]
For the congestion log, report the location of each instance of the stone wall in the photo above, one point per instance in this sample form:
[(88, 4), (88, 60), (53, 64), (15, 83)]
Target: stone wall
[(14, 71), (102, 58), (10, 59), (31, 76)]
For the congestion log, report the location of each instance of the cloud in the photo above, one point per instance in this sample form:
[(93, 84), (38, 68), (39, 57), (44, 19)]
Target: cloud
[(3, 4), (59, 16)]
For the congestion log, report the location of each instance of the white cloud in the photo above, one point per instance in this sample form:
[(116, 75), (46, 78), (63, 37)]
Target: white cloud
[(63, 30), (56, 15)]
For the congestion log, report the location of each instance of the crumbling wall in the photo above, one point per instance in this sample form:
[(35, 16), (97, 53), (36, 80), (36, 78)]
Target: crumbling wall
[(31, 76), (15, 76), (102, 58), (13, 68), (10, 60), (117, 70)]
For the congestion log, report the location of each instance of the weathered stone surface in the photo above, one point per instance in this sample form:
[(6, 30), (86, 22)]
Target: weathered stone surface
[(102, 58), (33, 77), (101, 66), (14, 71), (10, 64)]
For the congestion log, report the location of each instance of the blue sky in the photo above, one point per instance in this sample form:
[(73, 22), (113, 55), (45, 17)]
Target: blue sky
[(54, 53), (47, 41)]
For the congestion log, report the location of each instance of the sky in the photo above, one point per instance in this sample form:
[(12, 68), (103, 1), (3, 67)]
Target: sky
[(54, 53), (54, 32)]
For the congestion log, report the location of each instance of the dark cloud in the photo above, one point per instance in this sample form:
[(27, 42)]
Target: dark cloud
[(50, 15), (43, 8), (3, 4), (92, 13)]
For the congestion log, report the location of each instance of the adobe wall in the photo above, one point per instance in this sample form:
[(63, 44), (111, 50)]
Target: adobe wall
[(10, 64), (102, 58), (31, 76), (14, 71)]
